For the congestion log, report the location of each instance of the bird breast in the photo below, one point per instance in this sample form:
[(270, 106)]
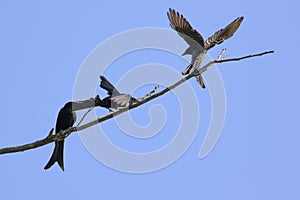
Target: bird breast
[(199, 57)]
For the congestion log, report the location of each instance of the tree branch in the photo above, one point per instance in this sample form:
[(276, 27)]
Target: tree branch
[(85, 114), (244, 57), (93, 103), (38, 143)]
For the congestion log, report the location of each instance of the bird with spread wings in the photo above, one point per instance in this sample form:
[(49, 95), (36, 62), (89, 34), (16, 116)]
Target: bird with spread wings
[(197, 46)]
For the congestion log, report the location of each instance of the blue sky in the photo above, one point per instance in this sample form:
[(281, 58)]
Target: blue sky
[(43, 46)]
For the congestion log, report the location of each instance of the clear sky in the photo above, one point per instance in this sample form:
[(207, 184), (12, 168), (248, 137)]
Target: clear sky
[(43, 48)]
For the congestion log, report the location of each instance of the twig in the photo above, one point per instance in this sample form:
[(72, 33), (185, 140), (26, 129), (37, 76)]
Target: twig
[(149, 94), (51, 138), (204, 68), (85, 114), (51, 132), (244, 57), (221, 54)]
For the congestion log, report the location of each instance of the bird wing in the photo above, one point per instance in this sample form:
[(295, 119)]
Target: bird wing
[(66, 118), (223, 34), (122, 100), (105, 84), (184, 29)]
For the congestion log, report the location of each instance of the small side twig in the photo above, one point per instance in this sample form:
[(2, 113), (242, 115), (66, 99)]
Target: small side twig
[(51, 132), (221, 54), (149, 94), (85, 114)]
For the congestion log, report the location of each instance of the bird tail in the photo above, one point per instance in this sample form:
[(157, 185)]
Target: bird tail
[(200, 81), (57, 156), (110, 88)]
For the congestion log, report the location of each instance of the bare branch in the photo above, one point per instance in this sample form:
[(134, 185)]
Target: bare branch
[(149, 94), (93, 102), (38, 143), (244, 57), (211, 63), (85, 114), (221, 54)]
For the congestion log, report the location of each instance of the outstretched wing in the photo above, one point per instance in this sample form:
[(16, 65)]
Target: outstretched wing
[(122, 100), (223, 34), (105, 84), (184, 29)]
